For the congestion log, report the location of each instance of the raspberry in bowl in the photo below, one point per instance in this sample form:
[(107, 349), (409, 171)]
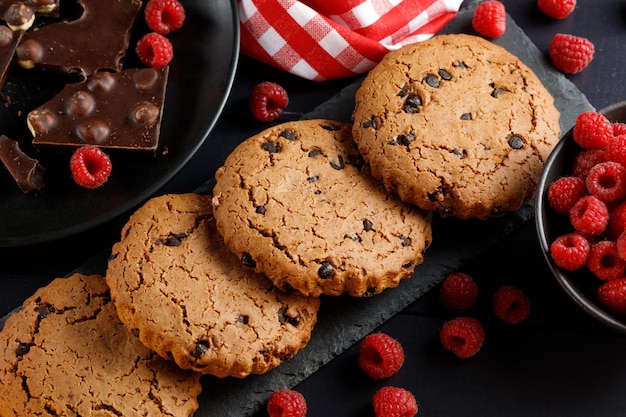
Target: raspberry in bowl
[(580, 214)]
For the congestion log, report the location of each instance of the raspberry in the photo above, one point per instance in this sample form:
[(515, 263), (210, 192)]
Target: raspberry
[(164, 16), (268, 100), (584, 160), (458, 293), (558, 9), (620, 245), (619, 129), (394, 402), (615, 150), (607, 181), (570, 54), (589, 216), (613, 295), (564, 193), (570, 251), (604, 261), (380, 355), (463, 336), (592, 130), (617, 220), (154, 50), (286, 403), (490, 19), (511, 304), (90, 166)]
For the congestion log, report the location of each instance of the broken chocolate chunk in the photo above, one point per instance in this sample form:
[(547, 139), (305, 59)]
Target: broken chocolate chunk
[(74, 47), (201, 348), (445, 75), (271, 147), (412, 103), (516, 142), (368, 226), (432, 80), (287, 315), (247, 260), (339, 165), (27, 172), (111, 110), (326, 270), (22, 349), (288, 134)]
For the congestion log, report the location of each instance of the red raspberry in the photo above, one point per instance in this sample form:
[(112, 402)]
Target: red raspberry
[(511, 304), (164, 16), (620, 244), (584, 160), (604, 261), (615, 150), (90, 166), (607, 181), (268, 100), (380, 355), (619, 129), (564, 193), (617, 220), (570, 54), (589, 216), (458, 293), (613, 295), (286, 403), (592, 130), (570, 251), (394, 402), (558, 9), (463, 336), (490, 19), (154, 50)]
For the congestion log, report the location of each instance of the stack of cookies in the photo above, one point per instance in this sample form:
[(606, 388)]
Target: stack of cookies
[(230, 284)]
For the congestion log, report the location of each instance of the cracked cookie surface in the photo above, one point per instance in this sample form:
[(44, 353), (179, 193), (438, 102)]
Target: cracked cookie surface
[(297, 203), (456, 125), (66, 353), (187, 297)]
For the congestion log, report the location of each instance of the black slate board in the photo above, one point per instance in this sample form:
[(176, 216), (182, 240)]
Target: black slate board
[(343, 321)]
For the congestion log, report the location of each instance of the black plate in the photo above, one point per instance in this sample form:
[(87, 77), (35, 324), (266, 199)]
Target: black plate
[(206, 51)]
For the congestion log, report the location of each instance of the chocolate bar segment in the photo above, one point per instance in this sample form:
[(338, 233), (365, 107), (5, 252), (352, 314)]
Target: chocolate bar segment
[(115, 110), (26, 171), (8, 43), (97, 40)]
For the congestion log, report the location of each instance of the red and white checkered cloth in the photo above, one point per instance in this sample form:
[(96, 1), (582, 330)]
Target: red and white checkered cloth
[(329, 39)]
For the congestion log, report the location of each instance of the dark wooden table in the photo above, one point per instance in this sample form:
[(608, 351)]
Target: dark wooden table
[(560, 362)]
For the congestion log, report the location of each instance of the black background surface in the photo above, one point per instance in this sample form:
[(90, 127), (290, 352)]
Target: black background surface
[(560, 362)]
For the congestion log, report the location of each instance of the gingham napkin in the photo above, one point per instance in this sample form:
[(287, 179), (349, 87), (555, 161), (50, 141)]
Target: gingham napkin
[(329, 39)]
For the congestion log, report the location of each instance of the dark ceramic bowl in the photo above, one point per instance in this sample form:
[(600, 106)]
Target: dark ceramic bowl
[(581, 286)]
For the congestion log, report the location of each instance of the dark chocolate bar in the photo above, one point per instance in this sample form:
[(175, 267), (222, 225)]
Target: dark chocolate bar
[(97, 40), (115, 110)]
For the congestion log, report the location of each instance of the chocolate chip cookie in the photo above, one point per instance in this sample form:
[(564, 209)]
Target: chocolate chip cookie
[(456, 125), (179, 289), (66, 353), (297, 203)]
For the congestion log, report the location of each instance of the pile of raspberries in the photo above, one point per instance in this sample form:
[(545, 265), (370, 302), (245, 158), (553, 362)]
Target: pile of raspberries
[(593, 198)]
